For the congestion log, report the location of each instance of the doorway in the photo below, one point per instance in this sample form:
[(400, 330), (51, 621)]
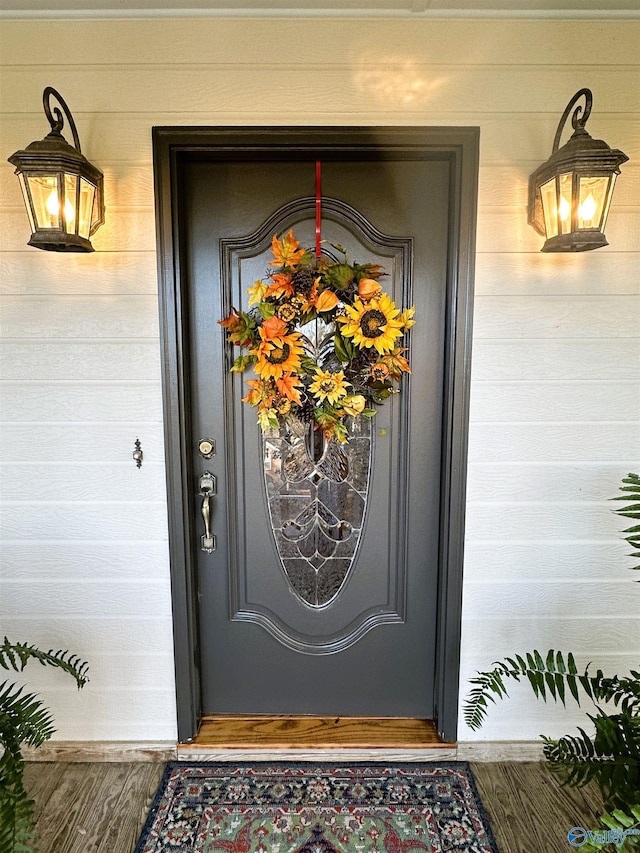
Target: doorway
[(381, 637)]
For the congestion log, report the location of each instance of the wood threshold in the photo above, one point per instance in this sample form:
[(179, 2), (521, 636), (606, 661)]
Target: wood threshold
[(267, 732)]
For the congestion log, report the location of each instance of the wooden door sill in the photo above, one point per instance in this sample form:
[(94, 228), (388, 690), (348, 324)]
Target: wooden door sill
[(274, 733)]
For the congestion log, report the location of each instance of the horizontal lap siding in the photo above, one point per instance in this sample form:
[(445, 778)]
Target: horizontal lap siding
[(556, 371)]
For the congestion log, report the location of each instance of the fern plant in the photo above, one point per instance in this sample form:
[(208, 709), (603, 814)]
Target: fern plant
[(611, 756), (631, 492), (24, 720)]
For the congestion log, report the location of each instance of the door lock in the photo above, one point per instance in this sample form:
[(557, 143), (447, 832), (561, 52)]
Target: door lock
[(207, 448), (207, 485)]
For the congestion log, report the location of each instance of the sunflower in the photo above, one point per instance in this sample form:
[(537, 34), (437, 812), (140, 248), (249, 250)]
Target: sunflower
[(372, 324), (278, 356), (329, 386)]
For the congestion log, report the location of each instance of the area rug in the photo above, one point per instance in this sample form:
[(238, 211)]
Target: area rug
[(316, 808)]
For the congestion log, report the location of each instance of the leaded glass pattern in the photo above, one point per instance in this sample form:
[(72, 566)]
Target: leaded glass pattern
[(316, 492), (317, 508)]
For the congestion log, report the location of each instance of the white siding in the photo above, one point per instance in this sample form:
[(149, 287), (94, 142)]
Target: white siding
[(555, 405)]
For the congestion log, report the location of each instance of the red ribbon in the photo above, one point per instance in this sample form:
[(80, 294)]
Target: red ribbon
[(318, 207)]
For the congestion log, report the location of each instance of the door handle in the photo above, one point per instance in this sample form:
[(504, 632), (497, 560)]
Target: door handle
[(207, 485)]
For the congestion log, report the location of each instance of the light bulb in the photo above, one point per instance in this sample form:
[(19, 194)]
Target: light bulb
[(53, 208), (587, 210), (565, 209)]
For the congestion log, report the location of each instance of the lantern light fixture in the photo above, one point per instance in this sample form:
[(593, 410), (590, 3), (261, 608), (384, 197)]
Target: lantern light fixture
[(570, 194), (63, 191)]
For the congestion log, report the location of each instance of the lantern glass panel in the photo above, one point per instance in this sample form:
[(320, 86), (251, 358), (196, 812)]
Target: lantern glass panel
[(46, 201), (69, 212), (549, 207), (565, 184), (593, 196), (607, 203), (27, 201), (87, 195)]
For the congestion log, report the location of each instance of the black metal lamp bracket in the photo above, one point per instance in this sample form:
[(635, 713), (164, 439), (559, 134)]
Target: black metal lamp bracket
[(57, 123)]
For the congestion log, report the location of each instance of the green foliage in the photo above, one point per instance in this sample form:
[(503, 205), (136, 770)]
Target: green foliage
[(611, 756), (17, 655), (620, 822), (24, 720), (631, 492), (550, 677), (16, 820)]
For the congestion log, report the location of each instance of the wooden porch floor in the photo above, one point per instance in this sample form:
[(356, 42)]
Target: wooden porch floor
[(101, 807)]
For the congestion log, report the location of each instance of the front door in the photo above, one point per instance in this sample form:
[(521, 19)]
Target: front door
[(324, 592)]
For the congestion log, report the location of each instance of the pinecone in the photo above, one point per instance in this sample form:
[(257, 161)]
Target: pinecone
[(303, 280), (305, 411)]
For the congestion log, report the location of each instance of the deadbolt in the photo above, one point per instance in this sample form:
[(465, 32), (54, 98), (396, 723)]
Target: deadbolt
[(207, 448)]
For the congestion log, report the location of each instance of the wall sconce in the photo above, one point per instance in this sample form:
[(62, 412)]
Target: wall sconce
[(62, 190), (570, 194)]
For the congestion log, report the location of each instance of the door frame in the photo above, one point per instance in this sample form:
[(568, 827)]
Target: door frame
[(173, 147)]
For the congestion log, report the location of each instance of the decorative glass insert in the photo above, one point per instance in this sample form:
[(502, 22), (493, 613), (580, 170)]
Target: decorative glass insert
[(316, 493)]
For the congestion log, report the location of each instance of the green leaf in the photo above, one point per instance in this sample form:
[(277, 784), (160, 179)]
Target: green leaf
[(344, 348), (521, 662), (339, 276), (19, 654), (267, 310), (571, 664), (573, 687), (551, 683), (242, 362), (308, 365), (537, 686)]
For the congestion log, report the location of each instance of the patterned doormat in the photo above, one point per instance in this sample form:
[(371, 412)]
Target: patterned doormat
[(317, 808)]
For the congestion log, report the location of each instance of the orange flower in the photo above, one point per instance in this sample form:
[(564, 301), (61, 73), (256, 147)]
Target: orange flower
[(368, 288), (278, 356), (282, 286), (380, 371), (286, 253), (272, 328)]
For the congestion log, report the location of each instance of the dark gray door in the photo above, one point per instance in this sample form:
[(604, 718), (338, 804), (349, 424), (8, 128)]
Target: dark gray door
[(303, 642)]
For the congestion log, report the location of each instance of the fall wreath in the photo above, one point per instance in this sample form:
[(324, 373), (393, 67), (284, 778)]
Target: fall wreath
[(328, 376)]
